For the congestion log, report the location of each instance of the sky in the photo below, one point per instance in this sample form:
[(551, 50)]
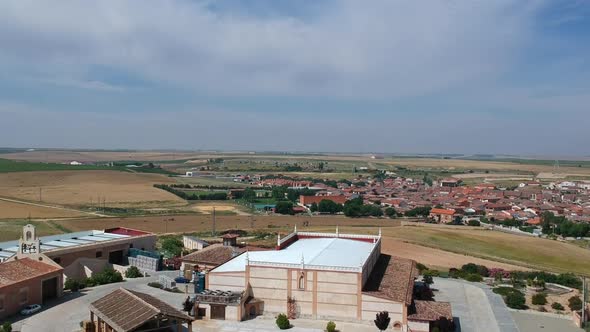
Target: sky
[(391, 76)]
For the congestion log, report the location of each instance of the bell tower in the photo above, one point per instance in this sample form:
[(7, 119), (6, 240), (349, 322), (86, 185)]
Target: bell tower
[(29, 242)]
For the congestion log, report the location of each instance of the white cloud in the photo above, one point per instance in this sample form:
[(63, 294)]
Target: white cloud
[(351, 49)]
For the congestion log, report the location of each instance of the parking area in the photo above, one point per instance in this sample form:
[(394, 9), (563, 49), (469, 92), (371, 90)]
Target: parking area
[(65, 314), (475, 307), (530, 322)]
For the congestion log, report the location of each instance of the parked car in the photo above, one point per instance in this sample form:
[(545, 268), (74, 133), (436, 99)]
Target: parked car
[(30, 309)]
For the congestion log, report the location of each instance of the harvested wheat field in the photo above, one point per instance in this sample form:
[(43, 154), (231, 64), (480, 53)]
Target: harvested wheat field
[(87, 188), (199, 223), (12, 210)]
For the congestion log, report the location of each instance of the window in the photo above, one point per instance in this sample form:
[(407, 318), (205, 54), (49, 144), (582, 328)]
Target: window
[(397, 326), (98, 254), (301, 282), (23, 295), (28, 236)]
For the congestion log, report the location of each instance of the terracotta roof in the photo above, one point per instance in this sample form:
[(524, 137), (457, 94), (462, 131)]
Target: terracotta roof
[(392, 278), (125, 310), (23, 269), (442, 211), (230, 236), (430, 311), (306, 200), (215, 254)]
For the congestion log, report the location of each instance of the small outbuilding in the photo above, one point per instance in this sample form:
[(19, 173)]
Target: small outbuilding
[(125, 310)]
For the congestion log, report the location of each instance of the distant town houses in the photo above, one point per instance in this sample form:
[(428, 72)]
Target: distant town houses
[(450, 199)]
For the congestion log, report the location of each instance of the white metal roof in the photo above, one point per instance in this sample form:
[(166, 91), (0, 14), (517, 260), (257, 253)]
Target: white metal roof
[(329, 252)]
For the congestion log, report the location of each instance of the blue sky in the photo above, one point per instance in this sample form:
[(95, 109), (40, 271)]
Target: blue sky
[(503, 76)]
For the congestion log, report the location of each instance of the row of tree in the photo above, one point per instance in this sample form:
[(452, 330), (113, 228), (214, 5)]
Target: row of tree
[(559, 225)]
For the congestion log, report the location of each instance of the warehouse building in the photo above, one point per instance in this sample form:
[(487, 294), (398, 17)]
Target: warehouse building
[(82, 253), (329, 276)]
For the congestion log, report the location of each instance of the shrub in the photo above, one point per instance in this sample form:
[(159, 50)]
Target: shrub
[(515, 300), (542, 309), (108, 276), (73, 285), (473, 222), (133, 272), (575, 303), (331, 327), (155, 285), (283, 322), (539, 299), (421, 267), (473, 277), (512, 297), (6, 327), (432, 273), (455, 273), (557, 306), (427, 279)]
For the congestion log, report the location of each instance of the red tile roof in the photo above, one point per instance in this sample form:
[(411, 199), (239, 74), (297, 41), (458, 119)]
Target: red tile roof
[(430, 311), (443, 211), (392, 279), (24, 269), (306, 200)]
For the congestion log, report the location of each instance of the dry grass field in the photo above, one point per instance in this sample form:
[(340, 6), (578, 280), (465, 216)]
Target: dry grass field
[(11, 210), (221, 207), (73, 188)]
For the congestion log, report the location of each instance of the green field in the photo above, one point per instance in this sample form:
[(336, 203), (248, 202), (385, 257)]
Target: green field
[(11, 230), (521, 250)]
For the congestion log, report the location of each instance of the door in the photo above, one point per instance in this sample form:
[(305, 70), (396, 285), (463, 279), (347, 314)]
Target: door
[(218, 312), (49, 289), (116, 257)]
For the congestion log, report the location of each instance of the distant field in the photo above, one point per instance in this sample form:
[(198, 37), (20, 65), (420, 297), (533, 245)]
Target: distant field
[(12, 230), (199, 223), (10, 210), (74, 188), (23, 166), (522, 250)]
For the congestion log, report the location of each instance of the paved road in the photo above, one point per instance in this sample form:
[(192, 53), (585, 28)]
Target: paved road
[(475, 307), (66, 314), (529, 322)]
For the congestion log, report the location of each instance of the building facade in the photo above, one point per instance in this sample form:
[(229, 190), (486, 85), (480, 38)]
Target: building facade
[(330, 276)]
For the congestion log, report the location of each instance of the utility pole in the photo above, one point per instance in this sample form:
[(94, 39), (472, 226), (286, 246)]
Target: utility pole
[(584, 290), (213, 231)]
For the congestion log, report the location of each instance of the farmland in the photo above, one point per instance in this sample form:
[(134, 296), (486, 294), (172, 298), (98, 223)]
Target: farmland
[(12, 210), (87, 188)]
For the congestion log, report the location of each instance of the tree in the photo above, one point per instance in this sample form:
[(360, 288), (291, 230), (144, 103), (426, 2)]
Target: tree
[(172, 246), (390, 212), (382, 320), (249, 195), (427, 279), (313, 207), (133, 272), (328, 206), (284, 207), (575, 303)]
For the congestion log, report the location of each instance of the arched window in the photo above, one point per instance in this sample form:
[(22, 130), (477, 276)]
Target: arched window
[(301, 282), (397, 326), (28, 236)]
